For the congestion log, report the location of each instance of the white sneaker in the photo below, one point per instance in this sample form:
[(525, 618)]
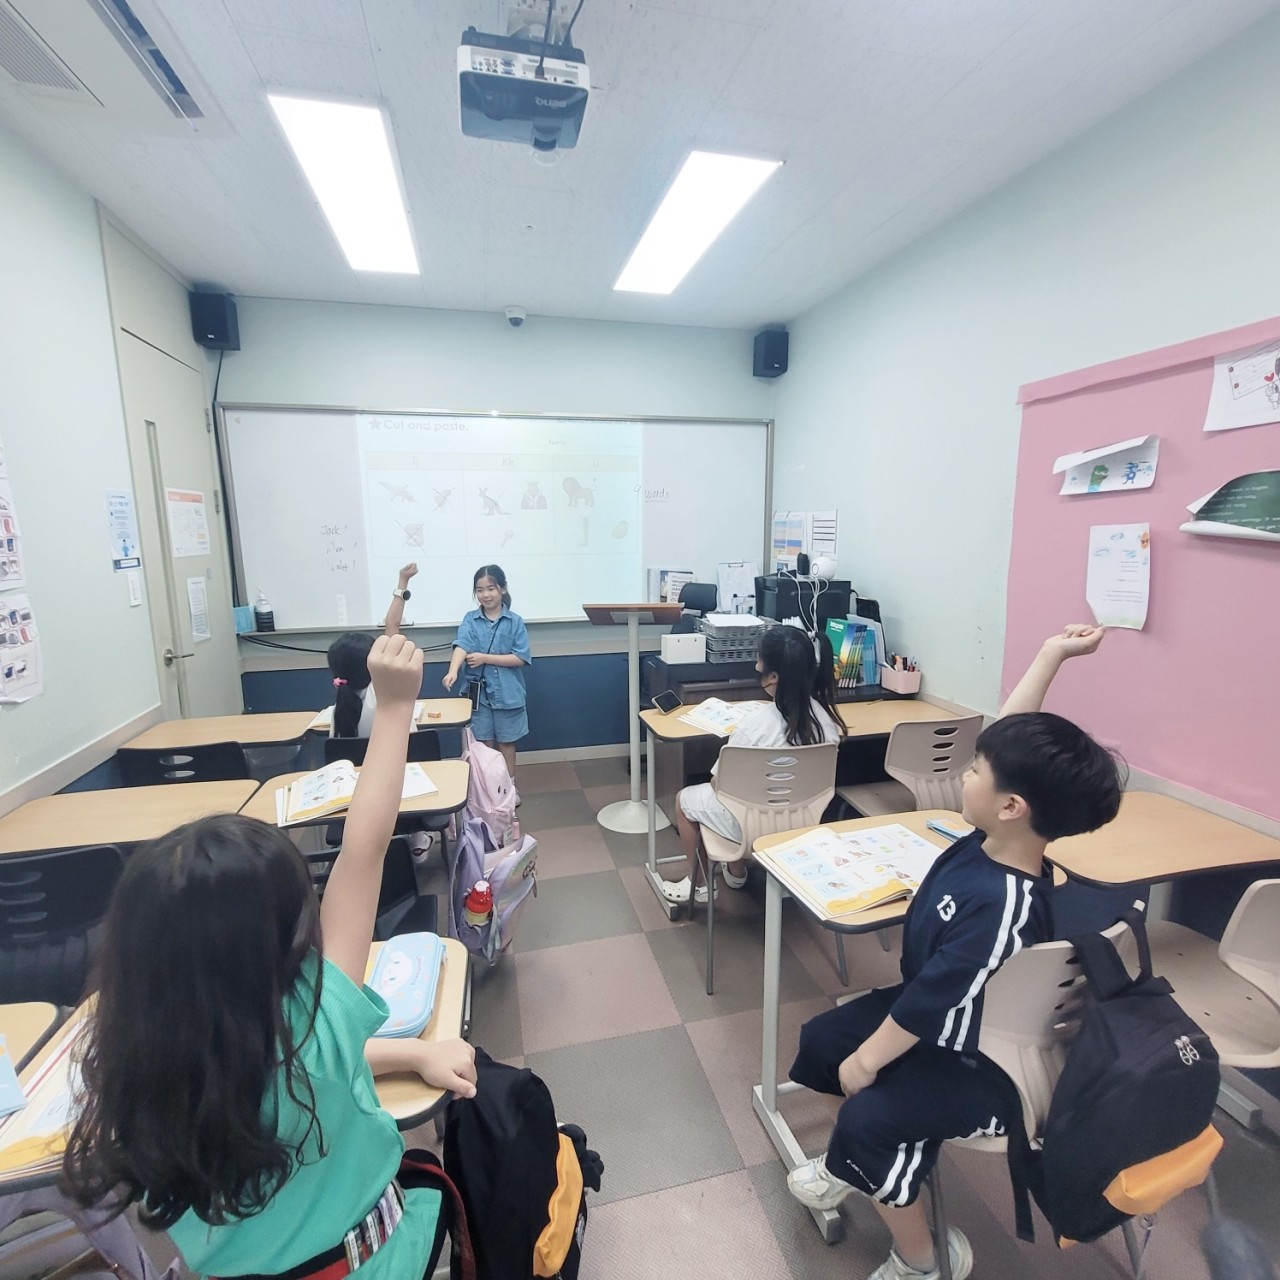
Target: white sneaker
[(958, 1246), (815, 1186), (734, 882)]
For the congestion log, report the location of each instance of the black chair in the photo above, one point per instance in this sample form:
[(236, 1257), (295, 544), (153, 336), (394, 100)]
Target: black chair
[(698, 600), (214, 762), (51, 907), (424, 748), (401, 908)]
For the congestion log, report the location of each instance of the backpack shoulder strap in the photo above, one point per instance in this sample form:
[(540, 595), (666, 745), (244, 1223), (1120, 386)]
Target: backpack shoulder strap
[(1101, 963), (1024, 1167)]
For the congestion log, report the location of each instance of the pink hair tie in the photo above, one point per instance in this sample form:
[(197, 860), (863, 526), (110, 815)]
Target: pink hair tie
[(338, 682)]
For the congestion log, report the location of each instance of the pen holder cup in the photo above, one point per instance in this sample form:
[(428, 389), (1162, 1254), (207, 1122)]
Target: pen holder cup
[(899, 681)]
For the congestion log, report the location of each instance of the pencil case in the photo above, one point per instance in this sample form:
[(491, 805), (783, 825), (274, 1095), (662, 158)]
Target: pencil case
[(407, 975)]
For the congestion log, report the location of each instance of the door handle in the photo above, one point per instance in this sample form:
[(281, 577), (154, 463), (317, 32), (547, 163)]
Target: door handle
[(170, 657)]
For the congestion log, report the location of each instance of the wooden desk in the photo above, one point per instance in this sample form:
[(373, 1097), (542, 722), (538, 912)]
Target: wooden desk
[(123, 816), (765, 1094), (248, 730), (24, 1027), (861, 720), (444, 713), (450, 776), (404, 1095), (1156, 838)]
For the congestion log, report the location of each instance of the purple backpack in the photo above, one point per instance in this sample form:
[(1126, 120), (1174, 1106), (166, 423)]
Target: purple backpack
[(512, 873)]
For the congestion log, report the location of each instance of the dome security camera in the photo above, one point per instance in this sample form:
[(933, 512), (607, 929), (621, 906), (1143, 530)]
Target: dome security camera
[(516, 316)]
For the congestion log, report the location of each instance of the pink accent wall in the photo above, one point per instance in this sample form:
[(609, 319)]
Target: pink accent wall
[(1195, 696)]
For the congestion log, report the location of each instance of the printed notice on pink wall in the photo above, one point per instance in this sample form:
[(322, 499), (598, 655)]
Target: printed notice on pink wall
[(1194, 696)]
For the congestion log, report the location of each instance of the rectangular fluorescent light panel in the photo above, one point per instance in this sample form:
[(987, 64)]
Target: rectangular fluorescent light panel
[(706, 196), (345, 151)]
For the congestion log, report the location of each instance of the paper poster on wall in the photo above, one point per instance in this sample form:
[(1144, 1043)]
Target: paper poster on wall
[(13, 571), (1246, 389), (1246, 507), (122, 525), (736, 585), (1131, 464), (823, 530), (664, 584), (8, 511), (21, 672), (198, 608), (188, 522), (1118, 581), (789, 531)]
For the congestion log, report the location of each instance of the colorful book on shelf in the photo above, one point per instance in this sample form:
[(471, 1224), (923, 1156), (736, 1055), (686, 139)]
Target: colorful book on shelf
[(853, 647), (330, 790), (844, 873), (717, 716), (33, 1139), (324, 719)]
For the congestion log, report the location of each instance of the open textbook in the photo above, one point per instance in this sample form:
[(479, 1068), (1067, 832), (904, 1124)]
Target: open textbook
[(33, 1139), (717, 716), (841, 873), (330, 790)]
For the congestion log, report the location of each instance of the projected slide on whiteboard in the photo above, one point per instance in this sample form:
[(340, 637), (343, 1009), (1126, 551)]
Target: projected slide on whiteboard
[(557, 504), (327, 504)]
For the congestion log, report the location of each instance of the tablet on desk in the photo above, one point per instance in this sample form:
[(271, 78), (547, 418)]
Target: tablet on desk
[(667, 701)]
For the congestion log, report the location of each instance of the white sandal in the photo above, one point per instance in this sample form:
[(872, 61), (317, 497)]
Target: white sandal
[(676, 890), (734, 882)]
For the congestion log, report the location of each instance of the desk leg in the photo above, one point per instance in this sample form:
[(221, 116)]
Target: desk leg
[(651, 864), (765, 1094), (628, 816)]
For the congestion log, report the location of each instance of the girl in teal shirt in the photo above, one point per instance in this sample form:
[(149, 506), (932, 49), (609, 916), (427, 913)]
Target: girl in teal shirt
[(229, 1067)]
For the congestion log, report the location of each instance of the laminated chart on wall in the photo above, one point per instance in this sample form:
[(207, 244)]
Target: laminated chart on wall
[(122, 526), (1246, 389), (1130, 464), (1246, 507), (1118, 582), (21, 671)]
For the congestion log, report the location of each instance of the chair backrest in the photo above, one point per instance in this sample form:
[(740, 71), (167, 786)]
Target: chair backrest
[(1031, 1013), (424, 747), (772, 789), (46, 897), (399, 881), (214, 762), (1250, 943), (929, 757), (699, 597)]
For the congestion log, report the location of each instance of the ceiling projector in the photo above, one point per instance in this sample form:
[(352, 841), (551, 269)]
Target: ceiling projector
[(521, 89)]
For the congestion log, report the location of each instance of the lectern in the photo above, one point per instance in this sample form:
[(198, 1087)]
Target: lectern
[(631, 816)]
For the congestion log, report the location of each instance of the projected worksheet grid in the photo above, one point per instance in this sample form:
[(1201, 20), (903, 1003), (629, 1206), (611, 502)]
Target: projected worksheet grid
[(556, 504)]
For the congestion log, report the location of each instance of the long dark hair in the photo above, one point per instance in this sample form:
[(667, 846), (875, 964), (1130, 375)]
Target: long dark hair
[(493, 571), (206, 937), (789, 653), (349, 662)]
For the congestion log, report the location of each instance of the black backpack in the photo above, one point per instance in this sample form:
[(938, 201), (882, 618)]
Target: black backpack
[(515, 1170), (1140, 1081)]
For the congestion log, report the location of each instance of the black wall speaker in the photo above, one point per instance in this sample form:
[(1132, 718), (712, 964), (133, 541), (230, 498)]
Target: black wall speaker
[(213, 321), (770, 353)]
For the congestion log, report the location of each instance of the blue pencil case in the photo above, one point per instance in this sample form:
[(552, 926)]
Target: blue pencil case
[(407, 976)]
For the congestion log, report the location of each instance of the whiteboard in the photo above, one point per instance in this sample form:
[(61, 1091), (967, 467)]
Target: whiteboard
[(327, 504)]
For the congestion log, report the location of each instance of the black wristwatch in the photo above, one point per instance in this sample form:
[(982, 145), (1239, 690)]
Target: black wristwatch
[(402, 593)]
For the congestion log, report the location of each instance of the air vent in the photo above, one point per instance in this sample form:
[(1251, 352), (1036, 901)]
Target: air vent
[(29, 60), (136, 41)]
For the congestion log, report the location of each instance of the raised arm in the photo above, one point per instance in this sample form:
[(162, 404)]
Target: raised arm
[(395, 610), (1073, 641), (351, 896)]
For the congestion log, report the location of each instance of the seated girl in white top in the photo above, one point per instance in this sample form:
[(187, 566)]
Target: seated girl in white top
[(799, 715), (354, 702)]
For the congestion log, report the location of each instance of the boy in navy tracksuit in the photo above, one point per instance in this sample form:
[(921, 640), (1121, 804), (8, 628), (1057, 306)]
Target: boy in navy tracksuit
[(903, 1057)]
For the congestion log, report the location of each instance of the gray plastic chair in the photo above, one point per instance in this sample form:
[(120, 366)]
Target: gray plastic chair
[(1231, 988), (925, 761), (768, 790)]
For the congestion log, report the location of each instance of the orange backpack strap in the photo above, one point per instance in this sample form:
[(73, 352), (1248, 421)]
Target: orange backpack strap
[(552, 1246)]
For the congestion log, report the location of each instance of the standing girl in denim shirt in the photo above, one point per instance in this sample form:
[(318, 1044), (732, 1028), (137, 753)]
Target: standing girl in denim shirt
[(494, 644)]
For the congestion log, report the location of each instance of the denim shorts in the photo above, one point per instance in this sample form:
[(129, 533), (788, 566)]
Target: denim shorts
[(499, 724)]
